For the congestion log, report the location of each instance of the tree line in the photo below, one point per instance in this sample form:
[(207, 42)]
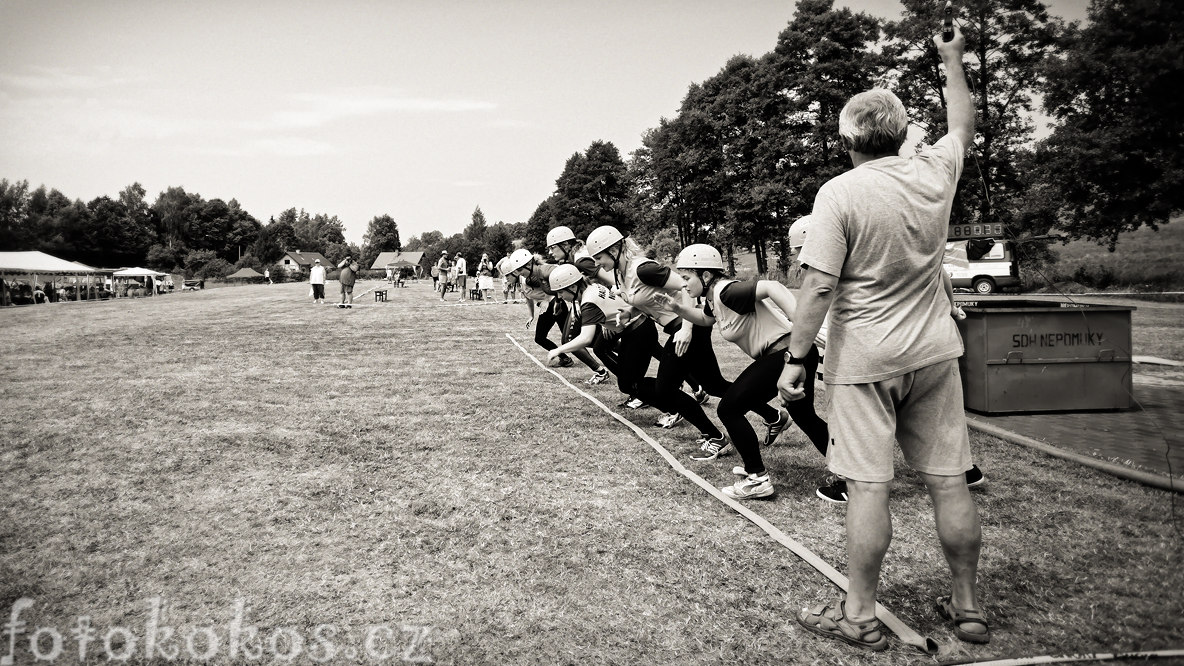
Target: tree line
[(750, 146)]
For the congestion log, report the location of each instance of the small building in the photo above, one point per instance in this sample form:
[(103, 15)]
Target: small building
[(397, 260), (300, 261)]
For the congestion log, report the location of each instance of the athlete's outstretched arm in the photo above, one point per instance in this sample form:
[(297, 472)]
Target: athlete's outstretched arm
[(581, 341)]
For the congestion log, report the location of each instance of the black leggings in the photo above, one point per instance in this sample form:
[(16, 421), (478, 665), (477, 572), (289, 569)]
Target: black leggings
[(637, 346), (756, 386), (554, 313)]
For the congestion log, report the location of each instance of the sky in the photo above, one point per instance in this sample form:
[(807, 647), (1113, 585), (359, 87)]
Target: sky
[(418, 109)]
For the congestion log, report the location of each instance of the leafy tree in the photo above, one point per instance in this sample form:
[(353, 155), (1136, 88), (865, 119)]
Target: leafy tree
[(382, 235), (499, 241), (174, 211), (1007, 43), (162, 258), (591, 192), (113, 237), (1116, 160), (15, 231)]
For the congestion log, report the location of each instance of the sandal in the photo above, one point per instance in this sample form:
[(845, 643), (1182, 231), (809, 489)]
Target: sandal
[(960, 617), (830, 620)]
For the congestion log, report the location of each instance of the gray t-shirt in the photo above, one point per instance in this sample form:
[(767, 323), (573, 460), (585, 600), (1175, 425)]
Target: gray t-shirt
[(881, 228)]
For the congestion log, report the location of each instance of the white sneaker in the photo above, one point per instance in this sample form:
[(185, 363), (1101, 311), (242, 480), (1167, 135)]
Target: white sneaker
[(711, 448), (668, 420), (753, 486), (599, 377)]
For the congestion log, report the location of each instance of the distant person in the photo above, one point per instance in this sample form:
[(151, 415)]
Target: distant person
[(316, 278), (509, 280), (876, 239), (346, 278), (266, 276), (462, 276), (444, 266)]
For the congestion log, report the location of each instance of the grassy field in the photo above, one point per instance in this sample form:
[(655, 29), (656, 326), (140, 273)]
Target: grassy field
[(1143, 260), (401, 471)]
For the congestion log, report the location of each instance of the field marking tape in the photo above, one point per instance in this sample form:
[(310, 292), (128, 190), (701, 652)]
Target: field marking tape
[(1067, 658), (906, 634)]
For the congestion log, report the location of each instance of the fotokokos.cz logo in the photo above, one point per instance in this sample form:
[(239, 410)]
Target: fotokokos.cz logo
[(380, 642)]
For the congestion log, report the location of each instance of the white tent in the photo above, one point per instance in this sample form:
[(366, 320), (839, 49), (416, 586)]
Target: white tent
[(38, 263), (138, 272), (127, 274), (33, 266)]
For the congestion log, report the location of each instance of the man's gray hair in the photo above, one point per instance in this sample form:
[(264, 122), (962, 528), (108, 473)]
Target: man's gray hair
[(874, 123)]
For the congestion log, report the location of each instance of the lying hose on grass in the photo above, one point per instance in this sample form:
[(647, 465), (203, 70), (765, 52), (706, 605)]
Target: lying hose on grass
[(903, 631)]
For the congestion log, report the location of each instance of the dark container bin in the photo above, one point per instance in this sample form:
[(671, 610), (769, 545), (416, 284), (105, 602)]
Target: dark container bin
[(1043, 356)]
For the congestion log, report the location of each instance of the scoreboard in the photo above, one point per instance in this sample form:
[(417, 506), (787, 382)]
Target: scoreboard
[(968, 231)]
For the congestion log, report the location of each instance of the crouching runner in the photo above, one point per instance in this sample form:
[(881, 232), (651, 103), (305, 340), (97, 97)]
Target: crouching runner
[(746, 320)]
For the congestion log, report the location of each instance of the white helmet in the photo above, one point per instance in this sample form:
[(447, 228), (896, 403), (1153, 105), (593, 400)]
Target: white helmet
[(797, 232), (559, 235), (601, 239), (564, 276), (700, 256), (518, 259)]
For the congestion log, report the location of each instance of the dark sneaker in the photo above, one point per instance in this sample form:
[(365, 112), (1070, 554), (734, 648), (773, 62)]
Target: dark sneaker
[(701, 397), (753, 486), (975, 477), (776, 427), (835, 493), (711, 448), (566, 362)]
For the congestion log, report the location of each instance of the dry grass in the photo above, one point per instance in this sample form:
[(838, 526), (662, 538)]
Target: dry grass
[(403, 464)]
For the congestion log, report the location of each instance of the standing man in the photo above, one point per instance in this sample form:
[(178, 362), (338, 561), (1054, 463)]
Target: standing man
[(316, 277), (875, 249), (462, 276), (444, 267), (267, 275), (346, 277)]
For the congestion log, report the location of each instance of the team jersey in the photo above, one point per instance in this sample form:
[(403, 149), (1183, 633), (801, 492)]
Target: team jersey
[(598, 305), (640, 295), (537, 285), (749, 323)]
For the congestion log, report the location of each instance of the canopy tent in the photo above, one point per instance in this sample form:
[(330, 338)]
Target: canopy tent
[(245, 272), (33, 266), (128, 275), (39, 263), (138, 272)]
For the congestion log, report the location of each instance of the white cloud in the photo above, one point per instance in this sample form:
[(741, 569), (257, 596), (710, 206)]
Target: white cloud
[(316, 109), (48, 80)]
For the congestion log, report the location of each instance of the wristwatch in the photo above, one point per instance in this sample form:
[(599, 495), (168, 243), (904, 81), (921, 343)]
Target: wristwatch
[(790, 359)]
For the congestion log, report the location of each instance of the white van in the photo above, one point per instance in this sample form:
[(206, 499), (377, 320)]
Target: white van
[(995, 270)]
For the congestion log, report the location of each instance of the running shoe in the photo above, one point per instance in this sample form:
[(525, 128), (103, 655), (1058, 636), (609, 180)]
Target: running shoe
[(711, 448), (752, 486), (835, 492), (668, 420), (974, 477), (599, 377), (633, 403), (776, 427), (701, 397), (566, 362), (739, 470)]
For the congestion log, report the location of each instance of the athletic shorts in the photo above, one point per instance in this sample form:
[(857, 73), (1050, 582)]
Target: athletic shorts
[(922, 410), (347, 288)]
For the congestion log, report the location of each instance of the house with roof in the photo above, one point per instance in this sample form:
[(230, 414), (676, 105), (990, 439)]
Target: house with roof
[(301, 261), (396, 260)]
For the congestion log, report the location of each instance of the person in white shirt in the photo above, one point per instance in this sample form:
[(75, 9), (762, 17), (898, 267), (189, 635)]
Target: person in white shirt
[(316, 278)]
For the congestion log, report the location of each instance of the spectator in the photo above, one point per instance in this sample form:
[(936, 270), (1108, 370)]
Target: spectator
[(348, 271), (874, 249), (462, 276), (316, 278)]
